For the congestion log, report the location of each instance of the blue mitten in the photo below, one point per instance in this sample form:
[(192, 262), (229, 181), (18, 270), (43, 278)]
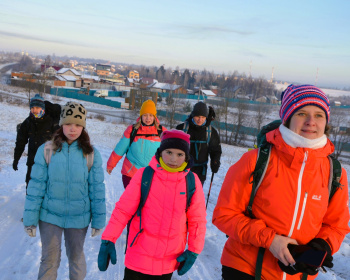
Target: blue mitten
[(107, 252), (186, 260)]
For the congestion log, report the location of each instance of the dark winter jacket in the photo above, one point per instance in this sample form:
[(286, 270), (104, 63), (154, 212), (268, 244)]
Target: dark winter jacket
[(36, 132), (199, 133)]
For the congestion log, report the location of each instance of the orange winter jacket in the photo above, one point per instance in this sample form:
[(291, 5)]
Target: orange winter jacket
[(291, 201)]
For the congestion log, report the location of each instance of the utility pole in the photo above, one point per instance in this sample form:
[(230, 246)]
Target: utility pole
[(272, 75), (250, 69)]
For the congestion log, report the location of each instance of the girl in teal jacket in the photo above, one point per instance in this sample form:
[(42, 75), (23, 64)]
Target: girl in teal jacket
[(66, 192)]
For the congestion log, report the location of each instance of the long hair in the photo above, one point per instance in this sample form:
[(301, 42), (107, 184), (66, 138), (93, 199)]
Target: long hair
[(139, 122), (83, 141)]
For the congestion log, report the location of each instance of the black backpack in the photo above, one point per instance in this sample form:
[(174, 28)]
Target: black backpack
[(258, 176), (133, 134)]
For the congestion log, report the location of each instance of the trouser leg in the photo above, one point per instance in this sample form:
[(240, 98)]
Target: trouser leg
[(51, 240), (74, 241), (134, 275), (229, 273), (29, 170), (126, 180)]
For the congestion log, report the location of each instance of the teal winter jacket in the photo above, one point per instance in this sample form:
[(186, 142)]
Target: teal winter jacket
[(64, 192)]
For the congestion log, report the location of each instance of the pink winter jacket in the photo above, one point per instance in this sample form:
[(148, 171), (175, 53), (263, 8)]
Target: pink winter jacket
[(164, 217)]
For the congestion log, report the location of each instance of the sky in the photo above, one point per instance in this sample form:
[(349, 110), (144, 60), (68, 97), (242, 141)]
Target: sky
[(300, 41)]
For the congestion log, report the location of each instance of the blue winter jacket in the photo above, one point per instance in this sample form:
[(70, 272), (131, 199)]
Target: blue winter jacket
[(65, 193)]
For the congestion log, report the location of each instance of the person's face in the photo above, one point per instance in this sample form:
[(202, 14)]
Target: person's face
[(72, 131), (309, 122), (199, 120), (147, 119), (173, 158), (35, 110)]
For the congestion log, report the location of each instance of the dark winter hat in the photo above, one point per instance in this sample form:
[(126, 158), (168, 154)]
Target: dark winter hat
[(37, 101), (175, 139), (73, 113), (296, 97), (200, 109)]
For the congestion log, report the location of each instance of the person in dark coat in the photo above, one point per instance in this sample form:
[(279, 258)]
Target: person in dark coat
[(205, 140), (36, 129)]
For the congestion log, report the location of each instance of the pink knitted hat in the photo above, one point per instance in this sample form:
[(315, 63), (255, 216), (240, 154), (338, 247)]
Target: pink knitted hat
[(175, 139)]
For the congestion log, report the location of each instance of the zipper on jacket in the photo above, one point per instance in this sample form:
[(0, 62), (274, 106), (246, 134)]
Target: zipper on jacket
[(302, 211), (297, 203), (67, 191)]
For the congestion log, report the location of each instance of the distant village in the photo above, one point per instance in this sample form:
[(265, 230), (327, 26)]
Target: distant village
[(51, 71)]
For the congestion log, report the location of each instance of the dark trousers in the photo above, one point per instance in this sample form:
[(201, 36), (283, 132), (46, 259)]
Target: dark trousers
[(134, 275), (29, 170), (229, 273), (126, 180)]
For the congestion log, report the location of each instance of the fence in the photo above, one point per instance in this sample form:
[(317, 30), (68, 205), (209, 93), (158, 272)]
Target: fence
[(74, 93)]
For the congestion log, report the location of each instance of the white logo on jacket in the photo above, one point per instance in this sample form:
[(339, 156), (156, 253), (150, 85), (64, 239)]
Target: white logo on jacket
[(316, 197)]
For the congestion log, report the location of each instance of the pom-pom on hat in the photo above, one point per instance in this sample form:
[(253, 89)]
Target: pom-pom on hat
[(175, 139), (73, 113), (200, 109), (296, 97), (37, 101), (148, 107)]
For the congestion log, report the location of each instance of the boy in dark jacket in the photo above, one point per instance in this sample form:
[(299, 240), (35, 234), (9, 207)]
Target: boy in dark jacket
[(205, 140), (36, 129)]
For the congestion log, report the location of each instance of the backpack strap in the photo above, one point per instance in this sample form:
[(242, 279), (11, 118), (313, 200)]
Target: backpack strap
[(132, 137), (208, 133), (334, 176), (146, 181), (90, 160), (48, 149), (190, 188), (258, 174), (186, 126)]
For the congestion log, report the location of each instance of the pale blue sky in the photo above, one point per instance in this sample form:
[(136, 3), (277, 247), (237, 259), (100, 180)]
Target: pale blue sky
[(294, 37)]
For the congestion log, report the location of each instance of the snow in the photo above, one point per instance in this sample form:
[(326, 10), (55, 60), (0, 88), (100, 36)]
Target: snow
[(20, 254), (328, 92)]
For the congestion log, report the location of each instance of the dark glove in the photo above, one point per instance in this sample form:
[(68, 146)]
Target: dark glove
[(215, 166), (322, 245), (15, 165), (107, 252), (211, 115), (186, 260), (298, 268)]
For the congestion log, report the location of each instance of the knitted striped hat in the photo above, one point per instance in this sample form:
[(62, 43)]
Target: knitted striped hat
[(296, 97)]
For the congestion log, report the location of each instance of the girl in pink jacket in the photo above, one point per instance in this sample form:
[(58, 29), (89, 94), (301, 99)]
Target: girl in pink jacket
[(158, 237)]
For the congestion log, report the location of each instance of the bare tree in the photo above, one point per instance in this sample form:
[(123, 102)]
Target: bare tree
[(340, 133), (240, 118)]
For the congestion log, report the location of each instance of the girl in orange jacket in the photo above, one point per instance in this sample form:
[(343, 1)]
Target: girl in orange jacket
[(291, 206)]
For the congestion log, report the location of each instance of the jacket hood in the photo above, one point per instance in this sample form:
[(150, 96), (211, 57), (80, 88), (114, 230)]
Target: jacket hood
[(165, 175), (274, 137)]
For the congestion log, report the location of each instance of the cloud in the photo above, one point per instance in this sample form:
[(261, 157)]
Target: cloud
[(41, 39)]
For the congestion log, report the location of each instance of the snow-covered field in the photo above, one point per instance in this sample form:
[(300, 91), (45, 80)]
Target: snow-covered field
[(20, 254), (329, 92)]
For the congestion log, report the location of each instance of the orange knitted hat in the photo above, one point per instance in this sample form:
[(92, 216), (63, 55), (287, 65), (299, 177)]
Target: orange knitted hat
[(148, 107)]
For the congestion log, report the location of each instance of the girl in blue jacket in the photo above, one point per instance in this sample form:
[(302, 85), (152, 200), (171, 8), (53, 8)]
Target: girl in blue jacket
[(66, 192)]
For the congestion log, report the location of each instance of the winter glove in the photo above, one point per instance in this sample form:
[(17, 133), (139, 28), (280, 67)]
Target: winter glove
[(186, 260), (107, 252), (95, 231), (31, 230), (298, 268), (215, 166), (322, 245), (15, 165)]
